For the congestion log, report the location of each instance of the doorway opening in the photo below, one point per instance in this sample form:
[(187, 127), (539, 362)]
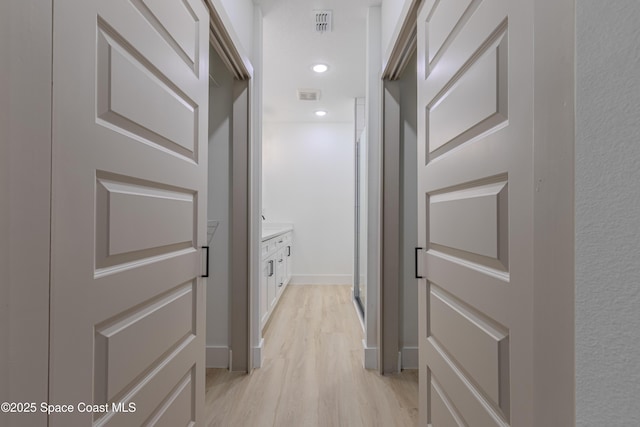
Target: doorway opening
[(310, 83)]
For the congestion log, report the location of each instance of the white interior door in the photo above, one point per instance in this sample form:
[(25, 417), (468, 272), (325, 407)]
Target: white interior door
[(475, 172), (130, 107)]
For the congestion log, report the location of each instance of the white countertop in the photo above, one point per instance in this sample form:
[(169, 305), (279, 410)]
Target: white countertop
[(270, 230)]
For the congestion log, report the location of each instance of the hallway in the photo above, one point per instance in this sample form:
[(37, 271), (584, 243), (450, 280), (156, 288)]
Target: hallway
[(312, 373)]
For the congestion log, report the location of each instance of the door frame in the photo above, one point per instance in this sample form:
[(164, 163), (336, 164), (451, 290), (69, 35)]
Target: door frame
[(25, 161), (389, 299), (239, 236), (389, 312), (554, 105), (245, 229)]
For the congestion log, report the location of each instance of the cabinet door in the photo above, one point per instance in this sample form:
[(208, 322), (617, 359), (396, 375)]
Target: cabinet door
[(264, 304), (271, 281), (288, 261), (280, 271)]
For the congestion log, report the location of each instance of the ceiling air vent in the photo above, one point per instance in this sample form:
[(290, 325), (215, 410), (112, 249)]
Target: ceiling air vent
[(308, 94), (323, 21)]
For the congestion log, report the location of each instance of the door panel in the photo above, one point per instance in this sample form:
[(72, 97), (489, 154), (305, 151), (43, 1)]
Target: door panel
[(129, 209), (171, 377), (137, 221), (124, 348), (178, 25), (475, 191), (472, 97), (472, 223), (444, 19), (442, 411), (480, 347), (123, 70)]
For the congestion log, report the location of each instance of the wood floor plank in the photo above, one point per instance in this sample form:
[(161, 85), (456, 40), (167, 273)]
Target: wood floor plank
[(312, 372)]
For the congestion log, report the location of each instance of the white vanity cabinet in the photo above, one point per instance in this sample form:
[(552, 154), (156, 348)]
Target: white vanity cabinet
[(276, 250)]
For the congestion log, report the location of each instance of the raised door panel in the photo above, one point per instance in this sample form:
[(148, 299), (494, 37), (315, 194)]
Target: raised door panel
[(128, 211), (472, 103), (443, 413), (126, 346), (479, 346), (137, 220), (123, 71), (472, 223), (178, 23)]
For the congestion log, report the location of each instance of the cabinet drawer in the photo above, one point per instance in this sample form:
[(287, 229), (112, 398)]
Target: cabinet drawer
[(271, 245), (284, 240)]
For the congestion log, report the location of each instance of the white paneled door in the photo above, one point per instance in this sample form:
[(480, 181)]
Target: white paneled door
[(475, 166), (130, 102)]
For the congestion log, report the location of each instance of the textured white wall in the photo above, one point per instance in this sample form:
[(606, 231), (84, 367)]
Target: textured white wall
[(608, 213), (309, 181)]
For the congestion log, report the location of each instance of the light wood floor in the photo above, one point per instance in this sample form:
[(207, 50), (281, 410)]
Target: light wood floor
[(312, 373)]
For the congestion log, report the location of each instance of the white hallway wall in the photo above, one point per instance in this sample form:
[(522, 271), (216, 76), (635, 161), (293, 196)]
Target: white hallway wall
[(607, 213), (393, 14), (238, 18), (308, 176)]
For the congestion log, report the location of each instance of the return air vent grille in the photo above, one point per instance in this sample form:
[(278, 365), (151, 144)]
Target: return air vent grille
[(323, 21), (308, 94)]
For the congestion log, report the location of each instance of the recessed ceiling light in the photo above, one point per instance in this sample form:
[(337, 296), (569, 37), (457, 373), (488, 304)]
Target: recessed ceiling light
[(321, 113), (320, 68)]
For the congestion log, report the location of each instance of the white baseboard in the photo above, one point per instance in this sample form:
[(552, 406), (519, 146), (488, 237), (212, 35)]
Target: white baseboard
[(410, 358), (321, 279), (217, 357), (257, 354), (370, 356)]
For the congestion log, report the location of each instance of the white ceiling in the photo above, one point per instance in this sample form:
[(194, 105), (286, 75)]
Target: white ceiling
[(291, 47)]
